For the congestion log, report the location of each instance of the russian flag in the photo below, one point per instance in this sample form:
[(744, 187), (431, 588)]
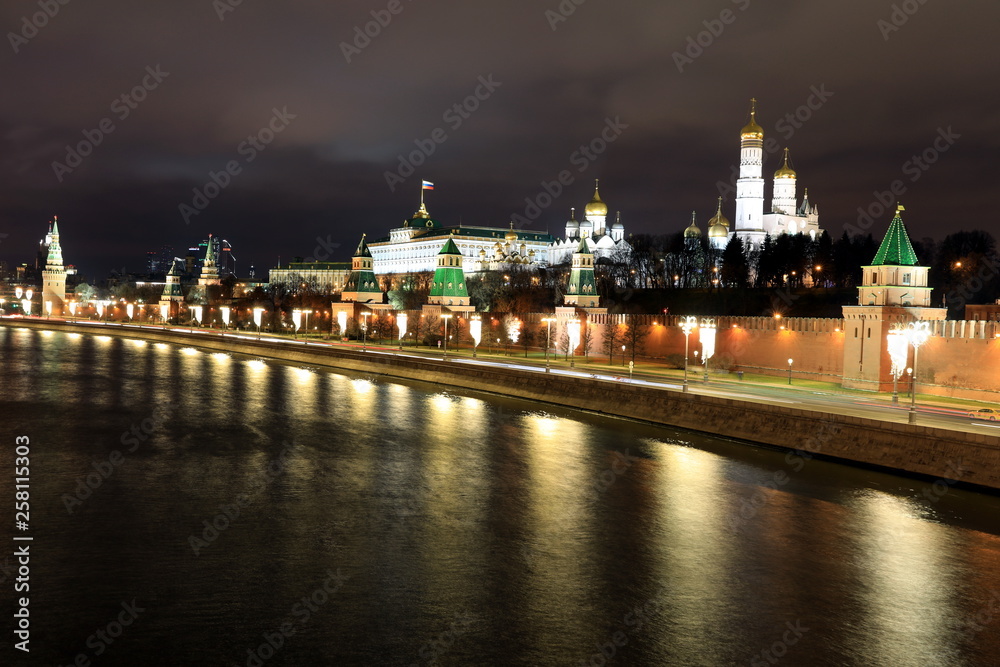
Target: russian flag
[(426, 185)]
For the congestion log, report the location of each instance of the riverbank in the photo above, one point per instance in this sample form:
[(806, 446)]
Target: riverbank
[(938, 453)]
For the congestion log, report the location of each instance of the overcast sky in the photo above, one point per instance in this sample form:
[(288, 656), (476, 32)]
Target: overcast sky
[(557, 80)]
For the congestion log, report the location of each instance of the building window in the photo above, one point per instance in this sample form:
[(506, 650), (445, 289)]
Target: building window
[(869, 332), (855, 332), (906, 278)]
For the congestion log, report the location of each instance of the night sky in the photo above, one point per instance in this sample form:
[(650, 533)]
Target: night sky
[(887, 92)]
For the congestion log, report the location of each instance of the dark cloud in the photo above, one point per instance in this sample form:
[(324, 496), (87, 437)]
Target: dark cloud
[(324, 174)]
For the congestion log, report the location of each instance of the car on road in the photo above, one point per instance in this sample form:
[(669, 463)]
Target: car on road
[(985, 413)]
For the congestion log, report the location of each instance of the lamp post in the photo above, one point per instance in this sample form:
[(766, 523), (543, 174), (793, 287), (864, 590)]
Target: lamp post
[(573, 333), (548, 335), (364, 331), (688, 324), (917, 333), (401, 320), (897, 345), (476, 331), (623, 355), (445, 317), (707, 337), (258, 314), (789, 371)]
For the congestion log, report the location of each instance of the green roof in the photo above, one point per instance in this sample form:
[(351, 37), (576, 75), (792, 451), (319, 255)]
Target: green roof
[(362, 250), (450, 248), (895, 249)]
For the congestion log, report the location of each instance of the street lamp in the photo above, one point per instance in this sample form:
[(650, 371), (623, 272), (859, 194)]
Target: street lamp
[(258, 314), (401, 323), (623, 355), (573, 331), (707, 337), (917, 334), (688, 324), (789, 371), (548, 334), (364, 331), (898, 348), (225, 315), (476, 331), (445, 317)]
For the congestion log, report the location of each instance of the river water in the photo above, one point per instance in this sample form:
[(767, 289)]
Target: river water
[(192, 508)]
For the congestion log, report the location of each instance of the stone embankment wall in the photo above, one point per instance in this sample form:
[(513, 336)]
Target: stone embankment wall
[(902, 447)]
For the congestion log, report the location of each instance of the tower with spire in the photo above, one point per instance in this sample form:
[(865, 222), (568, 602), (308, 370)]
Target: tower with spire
[(209, 268), (361, 285), (582, 289), (750, 186), (786, 215), (54, 274), (894, 292)]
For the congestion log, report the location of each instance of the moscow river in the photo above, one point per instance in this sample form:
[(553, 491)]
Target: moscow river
[(191, 508)]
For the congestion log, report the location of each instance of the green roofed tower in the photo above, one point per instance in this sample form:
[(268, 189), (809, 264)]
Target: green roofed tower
[(894, 278), (448, 288), (361, 285), (582, 289)]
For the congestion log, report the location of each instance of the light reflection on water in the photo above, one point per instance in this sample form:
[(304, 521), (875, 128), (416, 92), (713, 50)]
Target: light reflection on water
[(542, 534)]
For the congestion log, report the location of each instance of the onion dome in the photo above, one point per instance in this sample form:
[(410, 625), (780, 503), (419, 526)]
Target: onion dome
[(692, 232), (719, 219), (785, 171), (511, 235), (596, 206), (572, 222), (618, 221), (752, 130)]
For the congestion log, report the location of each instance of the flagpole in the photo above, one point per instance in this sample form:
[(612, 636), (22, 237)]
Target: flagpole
[(421, 194)]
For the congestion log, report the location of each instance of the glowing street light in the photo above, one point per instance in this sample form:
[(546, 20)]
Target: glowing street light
[(225, 315), (48, 309), (707, 337), (688, 324), (401, 321), (196, 313), (899, 351), (548, 337), (165, 313), (445, 317), (129, 310), (342, 323), (573, 331), (296, 320), (917, 334), (789, 371), (258, 316), (476, 331), (72, 308)]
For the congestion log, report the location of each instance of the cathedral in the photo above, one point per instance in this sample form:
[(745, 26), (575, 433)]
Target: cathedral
[(593, 230), (787, 215)]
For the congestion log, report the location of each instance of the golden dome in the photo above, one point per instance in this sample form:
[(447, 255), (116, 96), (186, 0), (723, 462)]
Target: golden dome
[(596, 206), (785, 171), (692, 232), (511, 235), (719, 219), (752, 130), (718, 230)]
